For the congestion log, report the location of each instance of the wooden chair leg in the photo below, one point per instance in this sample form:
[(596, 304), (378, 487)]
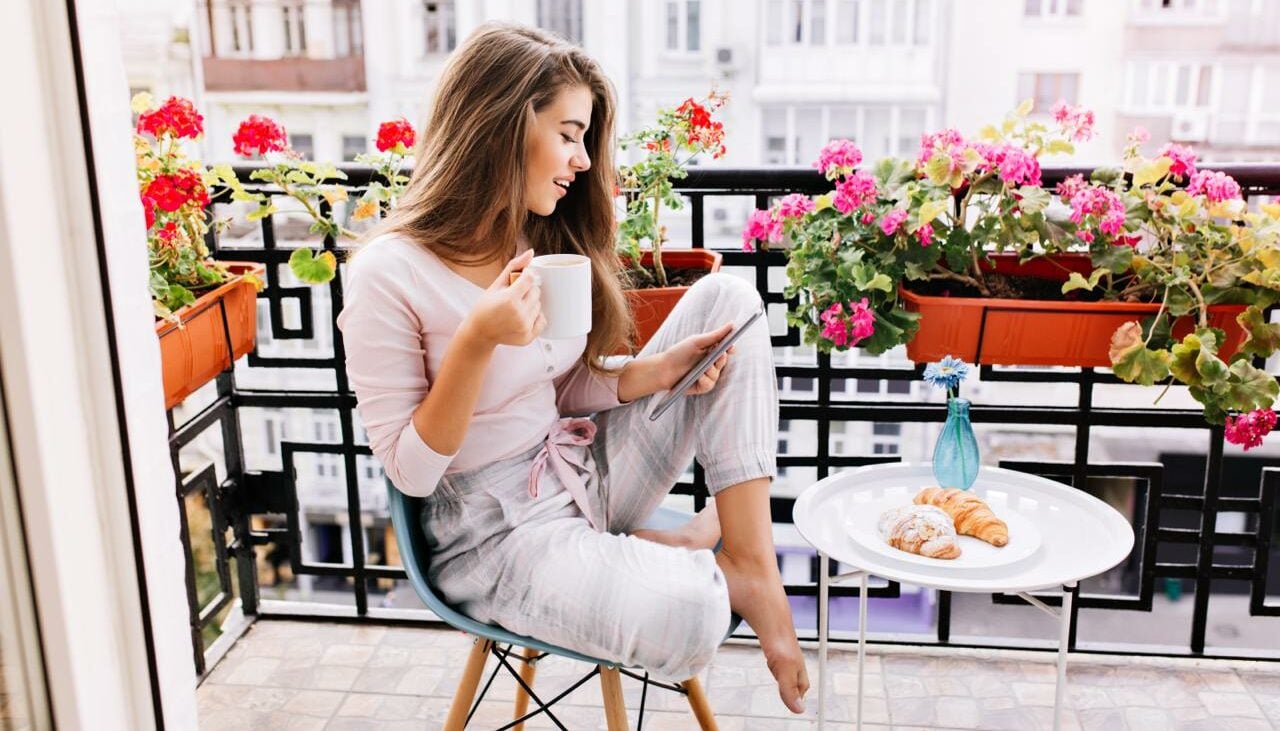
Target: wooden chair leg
[(466, 692), (527, 670), (699, 705), (615, 710)]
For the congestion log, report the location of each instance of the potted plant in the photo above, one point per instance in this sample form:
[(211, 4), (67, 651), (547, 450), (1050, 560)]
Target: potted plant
[(1155, 270), (657, 279), (206, 314)]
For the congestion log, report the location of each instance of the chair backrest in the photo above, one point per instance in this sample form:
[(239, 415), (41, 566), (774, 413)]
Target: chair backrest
[(406, 511)]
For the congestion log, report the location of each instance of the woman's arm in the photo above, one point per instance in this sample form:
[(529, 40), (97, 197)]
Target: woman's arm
[(416, 426), (659, 372), (506, 314)]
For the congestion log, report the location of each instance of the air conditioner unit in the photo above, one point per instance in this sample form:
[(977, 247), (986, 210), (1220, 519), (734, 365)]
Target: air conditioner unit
[(1189, 126), (725, 60)]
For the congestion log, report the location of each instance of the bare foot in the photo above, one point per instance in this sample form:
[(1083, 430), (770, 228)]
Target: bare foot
[(702, 531), (756, 593)]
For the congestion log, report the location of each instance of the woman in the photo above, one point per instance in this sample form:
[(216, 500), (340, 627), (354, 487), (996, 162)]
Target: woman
[(533, 513)]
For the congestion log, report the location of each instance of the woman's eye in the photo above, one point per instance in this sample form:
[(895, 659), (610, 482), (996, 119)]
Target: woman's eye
[(569, 139)]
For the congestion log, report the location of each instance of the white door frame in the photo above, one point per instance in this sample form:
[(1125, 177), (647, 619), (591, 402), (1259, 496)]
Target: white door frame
[(108, 575)]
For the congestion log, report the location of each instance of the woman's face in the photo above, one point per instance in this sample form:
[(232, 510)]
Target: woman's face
[(556, 151)]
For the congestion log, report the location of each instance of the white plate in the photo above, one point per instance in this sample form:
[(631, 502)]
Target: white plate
[(1024, 537)]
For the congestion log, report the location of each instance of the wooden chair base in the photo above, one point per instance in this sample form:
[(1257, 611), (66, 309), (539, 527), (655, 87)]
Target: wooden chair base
[(615, 709)]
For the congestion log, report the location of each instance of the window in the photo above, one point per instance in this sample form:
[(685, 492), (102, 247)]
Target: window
[(794, 135), (304, 144), (1052, 8), (348, 30), (241, 26), (802, 384), (562, 17), (1171, 86), (684, 26), (353, 145), (269, 427), (440, 26), (295, 27), (847, 21), (886, 437), (1047, 89), (797, 22), (899, 387), (868, 385)]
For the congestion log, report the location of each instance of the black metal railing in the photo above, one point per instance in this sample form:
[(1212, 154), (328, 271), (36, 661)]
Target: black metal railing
[(1175, 506)]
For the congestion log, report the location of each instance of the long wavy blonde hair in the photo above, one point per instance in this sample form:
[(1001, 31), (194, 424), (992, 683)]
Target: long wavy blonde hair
[(465, 198)]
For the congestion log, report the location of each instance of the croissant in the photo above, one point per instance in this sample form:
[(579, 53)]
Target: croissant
[(971, 514), (921, 529)]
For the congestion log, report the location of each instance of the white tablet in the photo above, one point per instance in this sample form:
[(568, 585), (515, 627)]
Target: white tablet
[(696, 372)]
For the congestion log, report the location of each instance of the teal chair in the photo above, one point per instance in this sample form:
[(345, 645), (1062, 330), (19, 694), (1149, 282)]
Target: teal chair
[(490, 639)]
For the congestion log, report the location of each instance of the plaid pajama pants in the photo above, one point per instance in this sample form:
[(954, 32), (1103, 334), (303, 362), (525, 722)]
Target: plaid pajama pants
[(535, 565)]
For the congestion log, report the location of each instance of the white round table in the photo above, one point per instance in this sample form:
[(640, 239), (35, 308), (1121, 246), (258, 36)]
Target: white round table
[(1079, 536)]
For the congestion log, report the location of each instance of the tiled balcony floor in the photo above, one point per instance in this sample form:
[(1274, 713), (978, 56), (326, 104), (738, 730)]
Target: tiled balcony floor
[(312, 675)]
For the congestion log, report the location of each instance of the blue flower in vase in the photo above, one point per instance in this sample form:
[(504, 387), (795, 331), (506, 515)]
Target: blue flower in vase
[(955, 456)]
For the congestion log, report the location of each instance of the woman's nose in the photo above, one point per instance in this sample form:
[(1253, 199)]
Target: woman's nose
[(580, 161)]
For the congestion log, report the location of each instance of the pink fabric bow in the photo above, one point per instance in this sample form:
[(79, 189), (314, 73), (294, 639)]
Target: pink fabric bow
[(570, 465)]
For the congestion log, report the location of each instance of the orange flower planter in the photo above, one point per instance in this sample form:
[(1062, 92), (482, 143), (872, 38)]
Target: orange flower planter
[(1038, 332), (650, 307), (195, 353)]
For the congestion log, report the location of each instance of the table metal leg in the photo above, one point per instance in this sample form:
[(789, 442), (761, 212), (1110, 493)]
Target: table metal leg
[(823, 613), (862, 640), (1064, 635)]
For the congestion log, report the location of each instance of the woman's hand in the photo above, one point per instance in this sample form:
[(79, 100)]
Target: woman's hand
[(508, 313), (682, 356)]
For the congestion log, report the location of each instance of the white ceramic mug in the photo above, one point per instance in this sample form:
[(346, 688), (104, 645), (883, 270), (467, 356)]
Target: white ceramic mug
[(566, 293)]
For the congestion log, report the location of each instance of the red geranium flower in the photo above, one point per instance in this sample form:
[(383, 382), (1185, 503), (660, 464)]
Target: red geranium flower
[(177, 117), (149, 211), (259, 135), (396, 135), (172, 192)]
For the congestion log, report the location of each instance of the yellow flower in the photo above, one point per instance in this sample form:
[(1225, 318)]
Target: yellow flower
[(364, 209)]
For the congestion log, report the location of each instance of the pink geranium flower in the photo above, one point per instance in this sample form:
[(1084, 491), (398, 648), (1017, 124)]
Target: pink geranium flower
[(1100, 203), (1249, 429), (925, 233), (855, 191), (892, 221), (949, 142), (851, 329), (838, 158), (1184, 160), (1067, 189), (1076, 122), (794, 206), (1014, 165), (1216, 186), (761, 226)]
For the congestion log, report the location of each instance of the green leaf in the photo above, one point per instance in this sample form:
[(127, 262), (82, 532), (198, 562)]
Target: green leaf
[(1183, 365), (1142, 365), (1262, 338), (938, 169), (1059, 145), (1076, 281), (313, 269), (1152, 171), (1250, 388), (930, 210), (1114, 258), (1033, 199)]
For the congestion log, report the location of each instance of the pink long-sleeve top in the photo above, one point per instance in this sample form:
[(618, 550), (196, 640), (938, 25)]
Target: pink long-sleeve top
[(402, 307)]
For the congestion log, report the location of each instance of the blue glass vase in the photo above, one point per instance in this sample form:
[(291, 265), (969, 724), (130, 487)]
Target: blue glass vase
[(955, 456)]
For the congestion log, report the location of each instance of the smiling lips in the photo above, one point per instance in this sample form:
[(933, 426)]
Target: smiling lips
[(562, 184)]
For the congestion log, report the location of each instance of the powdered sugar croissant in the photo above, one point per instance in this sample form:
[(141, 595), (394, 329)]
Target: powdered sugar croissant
[(972, 515), (921, 529)]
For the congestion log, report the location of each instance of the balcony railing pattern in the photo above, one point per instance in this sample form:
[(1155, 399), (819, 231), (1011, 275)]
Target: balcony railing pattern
[(1198, 553)]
